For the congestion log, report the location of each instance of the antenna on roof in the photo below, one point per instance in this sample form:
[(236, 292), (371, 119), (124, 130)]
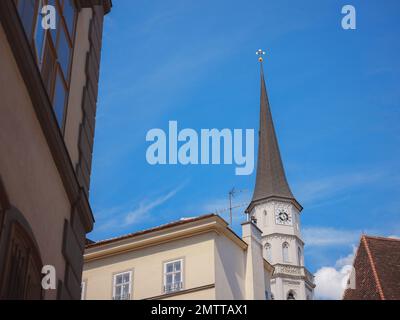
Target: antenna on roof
[(232, 194)]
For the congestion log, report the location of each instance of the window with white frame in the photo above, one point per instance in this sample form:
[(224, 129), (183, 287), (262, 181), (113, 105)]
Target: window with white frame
[(122, 286), (173, 276)]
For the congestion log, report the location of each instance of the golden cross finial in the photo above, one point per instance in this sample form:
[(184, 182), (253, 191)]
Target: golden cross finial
[(260, 53)]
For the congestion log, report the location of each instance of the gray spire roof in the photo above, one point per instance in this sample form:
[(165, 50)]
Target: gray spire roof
[(271, 179)]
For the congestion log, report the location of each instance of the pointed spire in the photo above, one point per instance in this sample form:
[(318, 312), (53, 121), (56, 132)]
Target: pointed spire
[(271, 179)]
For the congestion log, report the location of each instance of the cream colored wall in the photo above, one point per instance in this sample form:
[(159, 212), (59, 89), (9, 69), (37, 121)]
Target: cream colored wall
[(78, 81), (255, 271), (207, 294), (229, 269), (28, 171), (267, 282), (147, 265)]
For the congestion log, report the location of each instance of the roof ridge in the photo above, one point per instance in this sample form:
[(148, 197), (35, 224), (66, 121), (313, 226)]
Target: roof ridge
[(381, 238), (148, 230), (374, 271)]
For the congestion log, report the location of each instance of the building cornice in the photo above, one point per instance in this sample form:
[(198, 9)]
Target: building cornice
[(277, 234), (269, 267), (182, 292), (142, 240), (288, 271)]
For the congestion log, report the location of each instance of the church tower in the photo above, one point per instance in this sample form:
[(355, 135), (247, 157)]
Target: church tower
[(277, 213)]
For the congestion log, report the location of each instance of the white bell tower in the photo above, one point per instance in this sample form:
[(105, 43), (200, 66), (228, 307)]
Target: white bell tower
[(277, 213)]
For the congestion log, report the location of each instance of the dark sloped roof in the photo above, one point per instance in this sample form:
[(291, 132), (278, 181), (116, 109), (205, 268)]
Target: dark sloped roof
[(142, 232), (382, 265), (271, 179)]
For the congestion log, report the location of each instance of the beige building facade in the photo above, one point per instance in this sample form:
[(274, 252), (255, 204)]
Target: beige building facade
[(48, 90), (197, 258)]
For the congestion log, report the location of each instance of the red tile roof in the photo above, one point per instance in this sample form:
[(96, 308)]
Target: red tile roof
[(377, 266)]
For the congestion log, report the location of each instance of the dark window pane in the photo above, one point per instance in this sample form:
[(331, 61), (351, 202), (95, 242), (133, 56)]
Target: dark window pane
[(125, 289), (53, 32), (126, 277), (26, 9), (48, 67), (69, 14), (64, 52), (59, 99), (118, 279)]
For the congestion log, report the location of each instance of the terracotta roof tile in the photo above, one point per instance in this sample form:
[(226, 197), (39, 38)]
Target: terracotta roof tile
[(377, 265), (385, 254)]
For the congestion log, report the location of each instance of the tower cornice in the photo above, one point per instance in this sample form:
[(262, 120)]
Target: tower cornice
[(288, 271), (284, 235), (254, 203)]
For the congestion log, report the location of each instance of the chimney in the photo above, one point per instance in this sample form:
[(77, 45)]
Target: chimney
[(255, 277)]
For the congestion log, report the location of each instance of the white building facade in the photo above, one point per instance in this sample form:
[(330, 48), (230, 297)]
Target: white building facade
[(283, 247)]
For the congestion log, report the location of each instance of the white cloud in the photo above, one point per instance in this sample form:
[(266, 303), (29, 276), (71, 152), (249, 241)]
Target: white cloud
[(314, 191), (117, 217), (145, 207), (348, 260), (331, 281), (320, 236)]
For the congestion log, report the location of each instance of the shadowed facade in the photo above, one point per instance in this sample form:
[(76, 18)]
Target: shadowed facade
[(48, 89)]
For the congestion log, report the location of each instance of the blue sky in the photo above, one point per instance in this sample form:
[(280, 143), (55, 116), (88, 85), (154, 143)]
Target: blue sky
[(334, 96)]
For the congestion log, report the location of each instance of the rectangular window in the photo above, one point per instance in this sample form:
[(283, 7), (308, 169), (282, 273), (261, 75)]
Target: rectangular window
[(122, 286), (173, 276), (49, 67), (69, 14), (51, 48), (39, 35), (59, 99), (53, 32), (64, 51)]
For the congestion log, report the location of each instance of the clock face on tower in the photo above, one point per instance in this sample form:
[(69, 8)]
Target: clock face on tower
[(283, 217)]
